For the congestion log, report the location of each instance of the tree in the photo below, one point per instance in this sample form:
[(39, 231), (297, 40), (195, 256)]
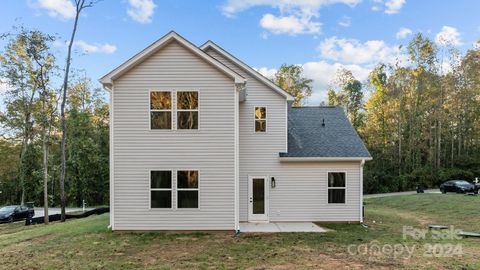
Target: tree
[(26, 65), (291, 79), (87, 152), (350, 96), (45, 61), (423, 121), (80, 5)]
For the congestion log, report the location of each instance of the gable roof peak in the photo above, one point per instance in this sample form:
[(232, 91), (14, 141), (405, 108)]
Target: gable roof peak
[(107, 80)]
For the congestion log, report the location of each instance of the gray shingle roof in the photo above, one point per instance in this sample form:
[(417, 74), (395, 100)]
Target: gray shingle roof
[(308, 138)]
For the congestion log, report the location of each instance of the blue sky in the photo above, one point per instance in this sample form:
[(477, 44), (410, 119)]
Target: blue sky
[(321, 35)]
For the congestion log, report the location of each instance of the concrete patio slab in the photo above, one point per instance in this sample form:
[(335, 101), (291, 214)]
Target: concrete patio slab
[(280, 227)]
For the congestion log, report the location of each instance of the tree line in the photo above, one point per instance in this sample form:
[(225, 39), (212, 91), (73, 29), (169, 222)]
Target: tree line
[(420, 120)]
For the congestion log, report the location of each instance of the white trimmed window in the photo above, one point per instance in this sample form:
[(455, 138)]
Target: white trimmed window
[(187, 110), (160, 110), (187, 189), (336, 187), (161, 189), (260, 119)]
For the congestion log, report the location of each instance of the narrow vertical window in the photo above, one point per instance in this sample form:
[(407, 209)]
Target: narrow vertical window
[(187, 110), (336, 187), (187, 189), (161, 189), (260, 119), (160, 110)]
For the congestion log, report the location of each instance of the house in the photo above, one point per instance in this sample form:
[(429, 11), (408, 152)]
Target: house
[(201, 141)]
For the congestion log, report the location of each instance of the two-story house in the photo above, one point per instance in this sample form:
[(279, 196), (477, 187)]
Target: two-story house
[(201, 141)]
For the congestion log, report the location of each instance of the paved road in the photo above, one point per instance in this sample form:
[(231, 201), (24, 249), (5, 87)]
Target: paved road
[(398, 193), (51, 211)]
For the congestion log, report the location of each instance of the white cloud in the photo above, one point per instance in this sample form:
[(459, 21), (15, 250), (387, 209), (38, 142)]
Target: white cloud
[(354, 52), (311, 7), (394, 6), (359, 57), (290, 25), (58, 8), (345, 21), (403, 32), (141, 10), (389, 6), (296, 16), (95, 48), (448, 36), (267, 72), (322, 73)]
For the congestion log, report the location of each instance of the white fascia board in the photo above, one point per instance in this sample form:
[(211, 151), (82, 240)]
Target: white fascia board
[(154, 47), (313, 159), (246, 68)]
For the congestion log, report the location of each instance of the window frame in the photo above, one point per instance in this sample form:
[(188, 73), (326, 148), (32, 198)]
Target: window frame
[(344, 188), (187, 110), (177, 189), (150, 110), (150, 189), (255, 119)]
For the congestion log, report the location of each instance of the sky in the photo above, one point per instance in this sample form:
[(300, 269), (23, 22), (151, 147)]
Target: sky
[(319, 35)]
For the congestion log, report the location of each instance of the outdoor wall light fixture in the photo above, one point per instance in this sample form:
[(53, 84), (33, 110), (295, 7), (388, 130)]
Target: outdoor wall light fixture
[(273, 182)]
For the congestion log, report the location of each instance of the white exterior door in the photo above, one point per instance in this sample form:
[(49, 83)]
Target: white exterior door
[(257, 199)]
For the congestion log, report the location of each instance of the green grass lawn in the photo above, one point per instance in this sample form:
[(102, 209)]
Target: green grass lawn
[(87, 244)]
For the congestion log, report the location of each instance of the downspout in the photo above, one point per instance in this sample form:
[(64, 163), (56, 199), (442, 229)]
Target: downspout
[(361, 190), (112, 196), (238, 87)]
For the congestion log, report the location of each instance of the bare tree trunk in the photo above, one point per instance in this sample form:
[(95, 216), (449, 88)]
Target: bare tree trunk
[(23, 173), (23, 160), (439, 144), (45, 176), (63, 201), (80, 5)]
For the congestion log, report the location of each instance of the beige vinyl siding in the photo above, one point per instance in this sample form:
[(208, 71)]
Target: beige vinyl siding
[(301, 192), (137, 149)]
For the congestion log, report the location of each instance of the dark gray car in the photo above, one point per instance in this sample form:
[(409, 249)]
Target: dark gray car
[(458, 186), (13, 213)]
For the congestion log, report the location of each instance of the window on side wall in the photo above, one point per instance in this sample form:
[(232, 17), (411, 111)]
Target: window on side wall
[(336, 187), (161, 189), (260, 119), (160, 110), (187, 189), (187, 110)]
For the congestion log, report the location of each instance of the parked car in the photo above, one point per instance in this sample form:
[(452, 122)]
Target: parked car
[(459, 186), (15, 212)]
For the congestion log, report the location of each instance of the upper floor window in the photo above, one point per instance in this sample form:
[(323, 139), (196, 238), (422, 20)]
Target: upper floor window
[(187, 110), (160, 110), (260, 119), (336, 187)]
